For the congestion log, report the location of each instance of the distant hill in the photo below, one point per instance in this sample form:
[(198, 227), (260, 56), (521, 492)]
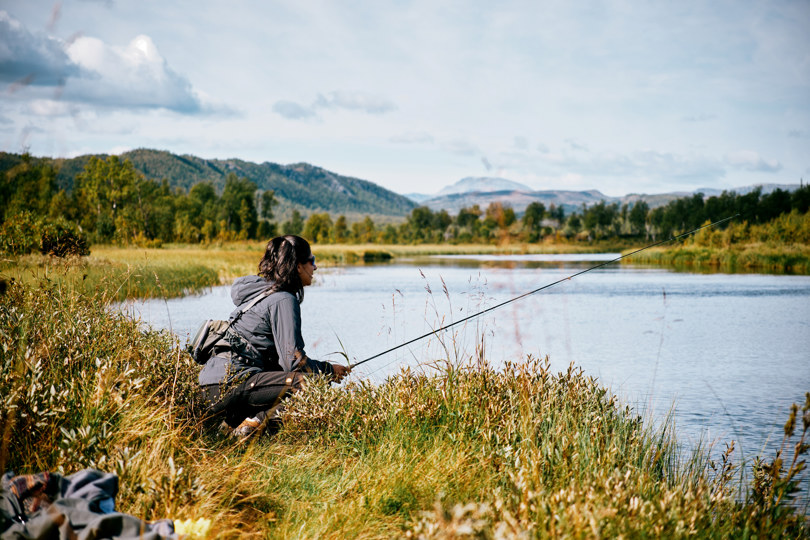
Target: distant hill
[(570, 200), (300, 186), (766, 189), (482, 184), (518, 200)]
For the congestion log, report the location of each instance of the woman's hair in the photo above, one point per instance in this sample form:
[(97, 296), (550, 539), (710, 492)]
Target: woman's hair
[(280, 264)]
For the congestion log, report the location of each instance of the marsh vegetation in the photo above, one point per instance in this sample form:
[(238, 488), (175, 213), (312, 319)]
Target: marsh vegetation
[(462, 448)]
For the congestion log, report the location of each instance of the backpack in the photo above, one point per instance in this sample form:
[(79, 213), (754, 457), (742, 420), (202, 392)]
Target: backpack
[(214, 333)]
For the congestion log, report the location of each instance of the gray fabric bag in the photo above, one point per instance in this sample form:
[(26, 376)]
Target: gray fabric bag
[(216, 333)]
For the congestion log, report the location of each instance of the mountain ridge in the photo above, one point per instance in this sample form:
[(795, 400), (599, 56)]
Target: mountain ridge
[(569, 200), (298, 186), (312, 189)]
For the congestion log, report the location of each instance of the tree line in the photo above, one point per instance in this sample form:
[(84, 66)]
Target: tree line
[(113, 203)]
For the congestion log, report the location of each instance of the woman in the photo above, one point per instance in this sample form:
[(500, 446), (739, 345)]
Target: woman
[(265, 360)]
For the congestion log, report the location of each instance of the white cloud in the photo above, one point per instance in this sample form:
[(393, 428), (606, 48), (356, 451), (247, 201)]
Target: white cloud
[(412, 138), (293, 110), (355, 101), (351, 101), (132, 76), (33, 58), (88, 70), (751, 161), (50, 108), (460, 147), (649, 165), (576, 145), (703, 117)]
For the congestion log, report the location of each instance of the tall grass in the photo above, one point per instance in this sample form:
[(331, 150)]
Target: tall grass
[(464, 449), (782, 245), (751, 257), (118, 280)]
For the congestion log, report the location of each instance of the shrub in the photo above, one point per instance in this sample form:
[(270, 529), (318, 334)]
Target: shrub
[(22, 234), (19, 234), (62, 238)]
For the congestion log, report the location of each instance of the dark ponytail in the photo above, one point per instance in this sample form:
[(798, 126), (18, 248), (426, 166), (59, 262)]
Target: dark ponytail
[(279, 266)]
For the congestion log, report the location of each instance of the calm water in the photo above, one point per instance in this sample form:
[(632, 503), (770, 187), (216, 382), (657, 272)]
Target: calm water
[(730, 352)]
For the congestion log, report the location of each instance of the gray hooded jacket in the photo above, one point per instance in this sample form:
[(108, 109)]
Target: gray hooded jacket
[(273, 327)]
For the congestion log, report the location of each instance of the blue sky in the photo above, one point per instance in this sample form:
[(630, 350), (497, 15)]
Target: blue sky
[(619, 96)]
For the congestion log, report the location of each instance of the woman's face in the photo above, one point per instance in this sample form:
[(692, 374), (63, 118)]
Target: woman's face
[(306, 269)]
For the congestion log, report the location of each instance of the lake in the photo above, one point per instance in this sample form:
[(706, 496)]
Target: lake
[(730, 352)]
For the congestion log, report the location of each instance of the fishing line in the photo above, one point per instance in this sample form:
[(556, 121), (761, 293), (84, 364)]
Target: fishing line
[(535, 291)]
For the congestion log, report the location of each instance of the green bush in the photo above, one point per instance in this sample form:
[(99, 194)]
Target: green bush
[(22, 234), (19, 234), (63, 238)]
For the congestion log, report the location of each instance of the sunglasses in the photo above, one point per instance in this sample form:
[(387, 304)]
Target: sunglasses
[(311, 259)]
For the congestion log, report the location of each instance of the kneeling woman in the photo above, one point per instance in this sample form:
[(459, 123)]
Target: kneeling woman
[(245, 381)]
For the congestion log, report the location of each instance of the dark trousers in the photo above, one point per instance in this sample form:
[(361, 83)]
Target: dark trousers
[(259, 396)]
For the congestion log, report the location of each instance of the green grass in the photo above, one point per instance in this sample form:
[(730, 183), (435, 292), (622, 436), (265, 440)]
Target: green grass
[(464, 450), (751, 257), (178, 269), (781, 245), (139, 278)]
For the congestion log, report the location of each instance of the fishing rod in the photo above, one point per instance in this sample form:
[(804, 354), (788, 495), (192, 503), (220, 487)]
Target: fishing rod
[(535, 291)]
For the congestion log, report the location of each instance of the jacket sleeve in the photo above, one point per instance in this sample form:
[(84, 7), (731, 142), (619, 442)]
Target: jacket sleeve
[(285, 322)]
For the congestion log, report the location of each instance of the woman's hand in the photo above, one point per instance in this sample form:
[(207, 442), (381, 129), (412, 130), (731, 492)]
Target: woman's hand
[(340, 372)]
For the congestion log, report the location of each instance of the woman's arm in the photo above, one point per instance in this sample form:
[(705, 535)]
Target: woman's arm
[(285, 322)]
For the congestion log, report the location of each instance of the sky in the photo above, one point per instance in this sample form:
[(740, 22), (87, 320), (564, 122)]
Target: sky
[(616, 95)]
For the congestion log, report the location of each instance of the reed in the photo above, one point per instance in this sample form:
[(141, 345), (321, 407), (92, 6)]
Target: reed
[(782, 245), (138, 278), (461, 449), (752, 257)]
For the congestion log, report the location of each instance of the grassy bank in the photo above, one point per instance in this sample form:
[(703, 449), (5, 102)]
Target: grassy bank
[(754, 257), (782, 245), (239, 258), (178, 269), (120, 279), (463, 449)]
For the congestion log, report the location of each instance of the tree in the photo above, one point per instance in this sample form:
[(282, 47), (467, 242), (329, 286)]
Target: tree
[(638, 217), (295, 225), (420, 223), (389, 235), (468, 223), (468, 217), (501, 215), (28, 187), (266, 230), (441, 220), (237, 207), (573, 225), (268, 201), (318, 228), (102, 190), (340, 230), (533, 220), (368, 230)]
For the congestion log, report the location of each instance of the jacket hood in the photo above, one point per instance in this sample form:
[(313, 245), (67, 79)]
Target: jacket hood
[(246, 288)]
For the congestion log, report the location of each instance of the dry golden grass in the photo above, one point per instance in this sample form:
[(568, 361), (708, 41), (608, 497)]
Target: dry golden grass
[(467, 451)]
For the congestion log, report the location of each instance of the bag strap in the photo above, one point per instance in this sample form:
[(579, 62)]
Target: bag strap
[(252, 303)]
